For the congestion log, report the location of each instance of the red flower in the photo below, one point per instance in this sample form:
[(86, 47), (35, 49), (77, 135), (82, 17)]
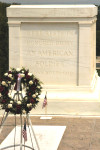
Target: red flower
[(32, 100), (7, 110), (27, 77), (0, 79), (6, 92), (26, 72), (29, 109), (7, 78), (9, 72), (35, 81), (16, 76), (1, 88), (33, 88), (18, 107), (29, 93), (3, 101)]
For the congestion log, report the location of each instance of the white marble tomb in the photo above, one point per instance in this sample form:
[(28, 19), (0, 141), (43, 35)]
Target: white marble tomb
[(58, 44)]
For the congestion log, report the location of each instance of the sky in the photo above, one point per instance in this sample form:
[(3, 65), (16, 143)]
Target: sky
[(97, 2)]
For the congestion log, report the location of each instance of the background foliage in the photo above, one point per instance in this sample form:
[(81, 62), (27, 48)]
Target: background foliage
[(4, 50), (3, 39), (98, 33)]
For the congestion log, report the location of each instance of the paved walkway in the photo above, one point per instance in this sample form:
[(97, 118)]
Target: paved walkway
[(80, 134)]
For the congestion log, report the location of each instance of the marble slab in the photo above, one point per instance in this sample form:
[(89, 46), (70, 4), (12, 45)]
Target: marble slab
[(48, 137)]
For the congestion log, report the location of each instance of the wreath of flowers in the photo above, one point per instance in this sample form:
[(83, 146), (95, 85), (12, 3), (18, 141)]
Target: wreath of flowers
[(32, 88)]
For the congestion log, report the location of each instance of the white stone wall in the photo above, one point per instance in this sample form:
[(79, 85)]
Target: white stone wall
[(57, 43)]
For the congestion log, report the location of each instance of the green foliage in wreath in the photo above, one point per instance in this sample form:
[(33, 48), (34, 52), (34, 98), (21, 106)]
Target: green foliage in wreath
[(29, 84)]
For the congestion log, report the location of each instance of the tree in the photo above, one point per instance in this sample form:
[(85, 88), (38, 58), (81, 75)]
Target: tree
[(3, 39), (98, 33)]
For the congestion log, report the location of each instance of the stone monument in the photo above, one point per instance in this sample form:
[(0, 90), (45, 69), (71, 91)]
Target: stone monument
[(58, 44)]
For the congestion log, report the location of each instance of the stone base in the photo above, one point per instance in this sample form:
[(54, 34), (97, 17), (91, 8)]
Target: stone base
[(85, 93), (68, 109), (71, 103)]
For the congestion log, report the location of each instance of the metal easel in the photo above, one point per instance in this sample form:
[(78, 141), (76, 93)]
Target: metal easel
[(30, 128)]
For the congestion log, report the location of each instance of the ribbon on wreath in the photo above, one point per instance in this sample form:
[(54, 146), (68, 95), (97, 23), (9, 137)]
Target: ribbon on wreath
[(18, 83)]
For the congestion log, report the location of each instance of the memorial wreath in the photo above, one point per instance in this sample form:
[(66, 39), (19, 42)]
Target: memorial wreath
[(12, 98)]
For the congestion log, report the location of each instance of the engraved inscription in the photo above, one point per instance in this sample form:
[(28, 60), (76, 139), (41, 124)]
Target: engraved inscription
[(49, 34), (48, 52), (50, 64), (51, 51), (42, 42)]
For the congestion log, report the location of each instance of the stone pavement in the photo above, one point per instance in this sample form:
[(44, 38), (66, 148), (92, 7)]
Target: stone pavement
[(82, 133)]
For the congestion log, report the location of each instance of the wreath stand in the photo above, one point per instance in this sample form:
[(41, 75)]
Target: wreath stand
[(5, 115)]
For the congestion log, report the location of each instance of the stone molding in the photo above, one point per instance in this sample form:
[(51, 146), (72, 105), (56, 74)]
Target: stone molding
[(45, 11)]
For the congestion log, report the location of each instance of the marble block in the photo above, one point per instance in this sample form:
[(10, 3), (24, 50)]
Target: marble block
[(47, 137), (57, 43)]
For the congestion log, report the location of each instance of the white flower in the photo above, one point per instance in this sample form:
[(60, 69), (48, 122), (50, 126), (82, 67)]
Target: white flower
[(3, 83), (19, 102), (11, 102), (20, 92), (9, 95), (0, 94), (36, 93), (9, 105), (38, 87), (26, 98), (18, 69), (6, 85), (10, 75), (6, 74), (22, 71), (23, 111), (22, 75), (30, 82), (0, 107), (12, 78), (29, 105), (9, 82), (27, 88), (30, 74), (33, 95)]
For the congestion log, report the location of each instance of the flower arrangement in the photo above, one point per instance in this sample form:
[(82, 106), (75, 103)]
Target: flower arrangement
[(28, 82)]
